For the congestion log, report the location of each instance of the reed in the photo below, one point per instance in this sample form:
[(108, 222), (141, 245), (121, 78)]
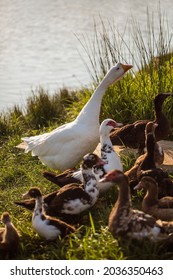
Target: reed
[(152, 58), (43, 109), (108, 45)]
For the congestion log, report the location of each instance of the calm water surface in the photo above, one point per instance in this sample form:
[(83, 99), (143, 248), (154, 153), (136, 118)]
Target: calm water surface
[(38, 44)]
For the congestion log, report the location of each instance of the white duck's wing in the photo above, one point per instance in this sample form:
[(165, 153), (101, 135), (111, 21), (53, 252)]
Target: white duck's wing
[(63, 148), (33, 142), (67, 153)]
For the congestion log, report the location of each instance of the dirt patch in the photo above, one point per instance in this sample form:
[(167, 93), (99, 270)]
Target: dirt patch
[(168, 155)]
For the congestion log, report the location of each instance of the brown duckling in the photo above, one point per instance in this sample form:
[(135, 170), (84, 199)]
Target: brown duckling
[(158, 150), (159, 208), (165, 184), (158, 158), (72, 199), (149, 158), (133, 135), (124, 221), (46, 226), (9, 236), (148, 161)]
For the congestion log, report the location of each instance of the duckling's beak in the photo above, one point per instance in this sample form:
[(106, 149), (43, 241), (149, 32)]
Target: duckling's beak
[(168, 93), (138, 186), (116, 125), (119, 124), (126, 67), (102, 180), (25, 195)]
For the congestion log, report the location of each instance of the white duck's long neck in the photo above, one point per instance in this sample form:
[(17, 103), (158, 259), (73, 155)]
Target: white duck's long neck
[(91, 110), (105, 140)]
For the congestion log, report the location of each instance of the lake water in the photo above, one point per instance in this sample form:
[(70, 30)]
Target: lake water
[(38, 44)]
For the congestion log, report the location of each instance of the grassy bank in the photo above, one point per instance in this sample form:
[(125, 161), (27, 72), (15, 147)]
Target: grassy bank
[(128, 100)]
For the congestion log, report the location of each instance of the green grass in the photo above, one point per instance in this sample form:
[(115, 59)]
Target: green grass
[(92, 240), (126, 101)]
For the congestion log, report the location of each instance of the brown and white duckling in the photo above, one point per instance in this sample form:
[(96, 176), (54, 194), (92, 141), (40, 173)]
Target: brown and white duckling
[(108, 154), (124, 221), (159, 208), (72, 199), (165, 184), (133, 135), (46, 226), (9, 236)]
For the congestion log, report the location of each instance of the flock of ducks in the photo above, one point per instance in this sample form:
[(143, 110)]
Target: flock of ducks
[(79, 189)]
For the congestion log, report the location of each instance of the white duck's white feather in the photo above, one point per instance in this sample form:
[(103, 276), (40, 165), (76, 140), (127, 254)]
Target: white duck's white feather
[(48, 148), (65, 146)]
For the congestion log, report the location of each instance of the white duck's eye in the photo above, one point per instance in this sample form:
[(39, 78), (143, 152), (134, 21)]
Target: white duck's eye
[(118, 68)]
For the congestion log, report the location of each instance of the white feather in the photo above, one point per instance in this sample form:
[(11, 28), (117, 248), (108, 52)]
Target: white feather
[(75, 206), (49, 232)]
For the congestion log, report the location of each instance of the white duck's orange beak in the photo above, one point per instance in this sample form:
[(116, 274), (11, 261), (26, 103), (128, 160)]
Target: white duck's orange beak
[(126, 67)]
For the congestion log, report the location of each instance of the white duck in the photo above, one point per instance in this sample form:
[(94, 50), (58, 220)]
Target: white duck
[(107, 153), (65, 146)]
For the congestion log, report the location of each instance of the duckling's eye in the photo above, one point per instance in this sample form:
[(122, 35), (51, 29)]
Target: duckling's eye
[(92, 157), (118, 68)]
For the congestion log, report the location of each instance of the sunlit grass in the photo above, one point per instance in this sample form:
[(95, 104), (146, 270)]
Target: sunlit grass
[(92, 239)]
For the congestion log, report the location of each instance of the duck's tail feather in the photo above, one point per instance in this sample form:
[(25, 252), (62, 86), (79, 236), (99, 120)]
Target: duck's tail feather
[(50, 176), (28, 204), (61, 179)]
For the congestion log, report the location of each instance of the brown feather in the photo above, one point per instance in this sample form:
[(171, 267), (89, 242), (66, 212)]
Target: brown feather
[(133, 135)]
